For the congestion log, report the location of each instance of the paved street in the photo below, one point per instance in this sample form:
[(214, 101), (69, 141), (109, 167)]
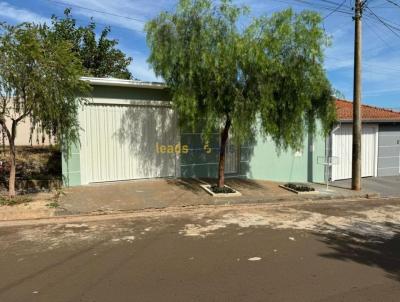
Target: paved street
[(321, 251)]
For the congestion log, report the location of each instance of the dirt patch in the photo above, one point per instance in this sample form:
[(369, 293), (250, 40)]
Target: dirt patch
[(37, 206), (375, 223), (31, 210)]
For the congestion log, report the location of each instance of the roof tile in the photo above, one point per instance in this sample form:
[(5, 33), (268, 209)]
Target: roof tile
[(344, 111)]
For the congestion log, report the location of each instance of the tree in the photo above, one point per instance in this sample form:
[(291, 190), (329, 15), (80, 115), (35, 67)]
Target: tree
[(39, 80), (99, 57), (268, 77)]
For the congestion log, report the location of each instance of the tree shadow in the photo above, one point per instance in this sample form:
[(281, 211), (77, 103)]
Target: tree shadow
[(142, 132), (190, 184), (376, 251), (243, 183)]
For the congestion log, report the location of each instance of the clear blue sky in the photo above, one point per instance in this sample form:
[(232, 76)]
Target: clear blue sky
[(381, 56)]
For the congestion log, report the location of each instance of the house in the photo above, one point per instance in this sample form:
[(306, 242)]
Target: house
[(130, 131), (380, 142)]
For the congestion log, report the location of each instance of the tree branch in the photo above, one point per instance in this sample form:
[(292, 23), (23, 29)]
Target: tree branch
[(24, 115), (4, 125)]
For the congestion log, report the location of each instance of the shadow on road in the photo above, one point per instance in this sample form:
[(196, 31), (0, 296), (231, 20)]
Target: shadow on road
[(377, 252)]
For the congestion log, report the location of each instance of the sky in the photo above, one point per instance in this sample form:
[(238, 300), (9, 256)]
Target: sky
[(381, 45)]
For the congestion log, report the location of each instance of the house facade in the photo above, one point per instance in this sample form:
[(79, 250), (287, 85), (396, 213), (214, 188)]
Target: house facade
[(129, 131), (380, 142)]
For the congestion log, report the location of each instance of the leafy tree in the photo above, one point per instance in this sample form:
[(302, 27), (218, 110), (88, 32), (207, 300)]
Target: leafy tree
[(99, 57), (39, 80), (267, 77)]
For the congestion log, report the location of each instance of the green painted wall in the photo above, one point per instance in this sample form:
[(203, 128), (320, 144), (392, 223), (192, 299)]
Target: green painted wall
[(319, 151), (129, 93), (263, 161), (71, 167), (259, 160)]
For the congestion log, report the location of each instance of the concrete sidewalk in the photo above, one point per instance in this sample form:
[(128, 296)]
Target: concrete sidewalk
[(388, 186), (162, 193)]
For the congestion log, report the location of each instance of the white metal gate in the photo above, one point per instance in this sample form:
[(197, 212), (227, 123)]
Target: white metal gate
[(342, 146), (123, 142)]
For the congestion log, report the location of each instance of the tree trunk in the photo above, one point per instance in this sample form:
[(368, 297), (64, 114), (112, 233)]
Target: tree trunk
[(224, 139), (11, 180)]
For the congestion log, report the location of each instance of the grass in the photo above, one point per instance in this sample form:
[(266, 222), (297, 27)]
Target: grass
[(7, 201), (53, 205), (54, 201)]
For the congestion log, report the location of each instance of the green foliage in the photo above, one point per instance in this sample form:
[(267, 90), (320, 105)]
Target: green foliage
[(300, 187), (54, 201), (6, 201), (271, 71), (223, 190), (40, 79), (53, 205), (99, 57)]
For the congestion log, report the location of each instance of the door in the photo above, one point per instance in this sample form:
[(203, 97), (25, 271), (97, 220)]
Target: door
[(123, 142), (369, 151), (342, 147)]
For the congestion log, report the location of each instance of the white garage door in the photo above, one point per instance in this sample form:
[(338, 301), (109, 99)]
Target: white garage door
[(123, 142), (342, 146)]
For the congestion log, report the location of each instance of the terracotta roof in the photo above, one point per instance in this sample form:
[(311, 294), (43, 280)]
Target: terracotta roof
[(344, 111)]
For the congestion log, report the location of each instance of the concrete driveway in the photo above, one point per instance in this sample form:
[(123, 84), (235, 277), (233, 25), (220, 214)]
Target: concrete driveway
[(388, 186)]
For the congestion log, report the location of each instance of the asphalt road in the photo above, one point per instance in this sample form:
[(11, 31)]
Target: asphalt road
[(315, 252)]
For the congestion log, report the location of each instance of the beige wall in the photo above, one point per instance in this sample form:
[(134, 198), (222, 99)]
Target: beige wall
[(23, 135)]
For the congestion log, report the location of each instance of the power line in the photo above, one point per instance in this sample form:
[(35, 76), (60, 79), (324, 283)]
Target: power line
[(378, 35), (65, 4), (334, 3), (392, 28), (314, 5), (335, 10), (394, 3), (327, 6), (393, 24)]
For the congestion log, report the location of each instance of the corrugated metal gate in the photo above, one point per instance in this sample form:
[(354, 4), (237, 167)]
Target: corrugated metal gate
[(123, 142), (342, 140), (389, 150)]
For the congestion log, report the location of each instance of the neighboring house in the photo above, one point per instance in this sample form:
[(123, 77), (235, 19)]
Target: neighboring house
[(129, 131), (24, 137), (380, 141)]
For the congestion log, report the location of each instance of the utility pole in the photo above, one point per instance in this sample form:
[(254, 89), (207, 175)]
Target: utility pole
[(356, 158)]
